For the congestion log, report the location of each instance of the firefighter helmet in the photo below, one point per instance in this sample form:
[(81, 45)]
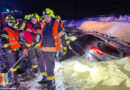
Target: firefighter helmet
[(48, 12), (10, 18), (35, 16), (58, 17), (27, 17)]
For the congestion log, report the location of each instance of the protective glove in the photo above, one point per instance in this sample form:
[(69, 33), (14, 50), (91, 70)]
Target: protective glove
[(64, 50), (9, 51), (25, 52)]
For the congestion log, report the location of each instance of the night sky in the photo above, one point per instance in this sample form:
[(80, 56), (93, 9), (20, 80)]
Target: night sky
[(70, 9)]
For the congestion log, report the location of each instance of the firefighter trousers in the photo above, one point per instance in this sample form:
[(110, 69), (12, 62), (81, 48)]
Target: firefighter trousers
[(46, 63), (12, 58), (32, 54)]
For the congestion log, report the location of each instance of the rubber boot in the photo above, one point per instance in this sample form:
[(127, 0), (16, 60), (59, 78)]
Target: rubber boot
[(35, 72), (51, 85), (42, 83)]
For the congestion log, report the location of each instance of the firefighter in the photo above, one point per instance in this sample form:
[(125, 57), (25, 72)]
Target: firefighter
[(50, 32), (65, 39), (30, 34), (62, 52), (10, 40)]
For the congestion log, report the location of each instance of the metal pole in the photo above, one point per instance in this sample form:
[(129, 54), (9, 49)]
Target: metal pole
[(15, 63)]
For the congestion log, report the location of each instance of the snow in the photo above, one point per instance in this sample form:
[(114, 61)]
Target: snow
[(75, 74)]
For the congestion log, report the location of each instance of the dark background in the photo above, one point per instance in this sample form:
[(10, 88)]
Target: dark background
[(70, 9)]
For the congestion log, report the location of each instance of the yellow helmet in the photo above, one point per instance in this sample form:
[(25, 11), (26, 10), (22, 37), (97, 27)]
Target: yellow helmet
[(10, 18), (36, 16), (27, 17), (58, 17), (48, 12)]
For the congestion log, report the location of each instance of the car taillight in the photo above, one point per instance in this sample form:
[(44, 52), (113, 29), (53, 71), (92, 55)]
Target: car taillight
[(96, 50), (88, 58)]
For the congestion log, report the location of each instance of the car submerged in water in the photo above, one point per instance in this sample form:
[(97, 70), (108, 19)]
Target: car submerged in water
[(100, 38), (95, 49)]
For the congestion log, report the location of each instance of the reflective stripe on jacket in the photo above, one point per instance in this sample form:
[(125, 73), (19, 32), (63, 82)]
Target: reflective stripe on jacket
[(13, 38)]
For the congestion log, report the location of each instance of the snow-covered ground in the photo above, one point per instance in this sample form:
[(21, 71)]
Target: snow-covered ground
[(76, 74)]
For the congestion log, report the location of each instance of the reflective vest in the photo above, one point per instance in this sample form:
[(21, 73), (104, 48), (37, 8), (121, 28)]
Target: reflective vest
[(62, 32), (61, 24), (56, 38), (29, 37), (13, 38)]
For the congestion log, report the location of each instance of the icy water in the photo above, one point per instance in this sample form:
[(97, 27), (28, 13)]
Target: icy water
[(76, 74)]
